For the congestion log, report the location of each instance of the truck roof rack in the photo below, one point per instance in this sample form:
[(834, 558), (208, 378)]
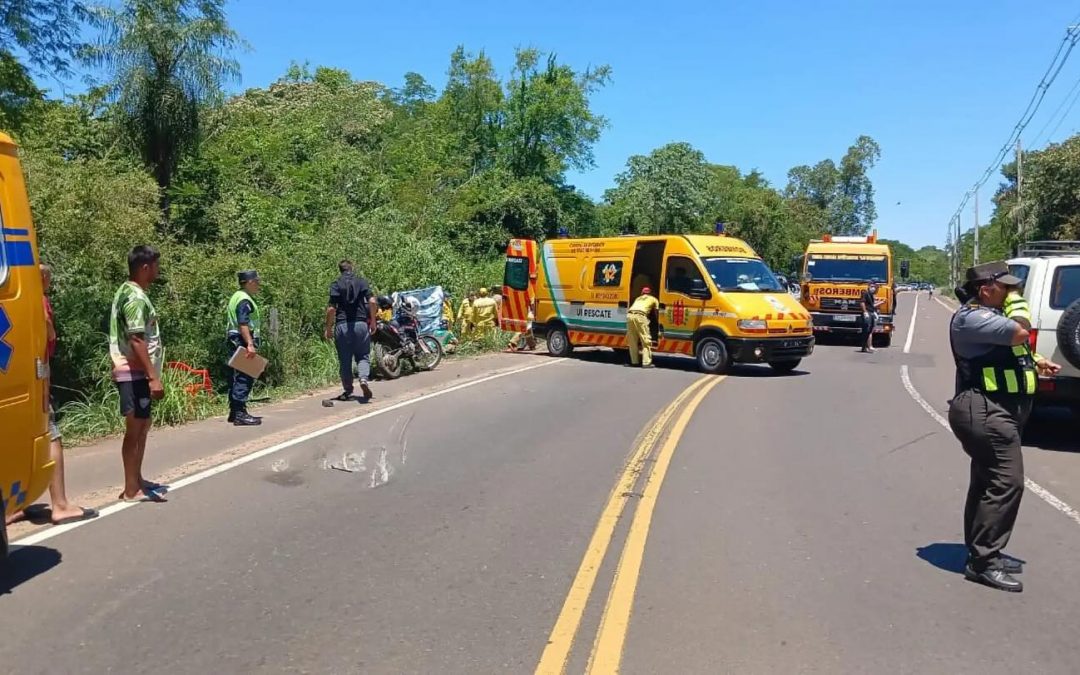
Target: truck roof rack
[(1042, 249)]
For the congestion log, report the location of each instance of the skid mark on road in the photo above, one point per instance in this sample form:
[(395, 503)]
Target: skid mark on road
[(1041, 492), (381, 475)]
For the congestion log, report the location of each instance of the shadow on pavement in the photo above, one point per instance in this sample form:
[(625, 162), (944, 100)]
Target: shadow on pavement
[(948, 557), (951, 557), (1052, 429), (24, 563), (685, 364)]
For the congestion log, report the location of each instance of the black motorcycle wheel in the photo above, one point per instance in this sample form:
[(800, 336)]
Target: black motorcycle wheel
[(386, 364), (429, 354)]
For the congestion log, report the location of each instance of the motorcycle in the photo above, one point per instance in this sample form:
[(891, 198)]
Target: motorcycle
[(399, 340)]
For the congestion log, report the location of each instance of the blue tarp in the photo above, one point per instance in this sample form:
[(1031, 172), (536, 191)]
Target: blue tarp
[(431, 301)]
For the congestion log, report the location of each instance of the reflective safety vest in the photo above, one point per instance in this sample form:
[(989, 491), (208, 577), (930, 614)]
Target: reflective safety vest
[(234, 320), (1002, 370)]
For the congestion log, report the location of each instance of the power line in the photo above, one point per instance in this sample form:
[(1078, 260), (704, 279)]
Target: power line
[(1064, 117), (1038, 138), (1068, 43)]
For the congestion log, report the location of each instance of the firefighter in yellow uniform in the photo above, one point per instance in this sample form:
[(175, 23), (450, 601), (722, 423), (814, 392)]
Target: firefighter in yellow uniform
[(637, 328), (465, 315), (526, 339), (484, 310)]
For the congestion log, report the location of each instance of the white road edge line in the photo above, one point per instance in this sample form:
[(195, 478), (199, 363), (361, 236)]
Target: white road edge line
[(1039, 490), (911, 328), (945, 304), (112, 509)]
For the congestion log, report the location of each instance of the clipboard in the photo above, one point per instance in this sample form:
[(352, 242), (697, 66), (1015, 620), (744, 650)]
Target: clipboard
[(253, 367)]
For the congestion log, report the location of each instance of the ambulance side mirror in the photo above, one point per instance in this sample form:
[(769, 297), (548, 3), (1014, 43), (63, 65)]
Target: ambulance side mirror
[(698, 289)]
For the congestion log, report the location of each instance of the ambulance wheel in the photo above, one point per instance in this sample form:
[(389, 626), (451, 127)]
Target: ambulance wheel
[(558, 342), (712, 356), (785, 366)]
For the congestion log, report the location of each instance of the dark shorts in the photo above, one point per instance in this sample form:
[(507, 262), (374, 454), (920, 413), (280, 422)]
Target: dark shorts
[(54, 429), (135, 398)]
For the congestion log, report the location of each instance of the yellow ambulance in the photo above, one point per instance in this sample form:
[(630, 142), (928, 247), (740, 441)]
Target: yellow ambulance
[(719, 301), (25, 464)]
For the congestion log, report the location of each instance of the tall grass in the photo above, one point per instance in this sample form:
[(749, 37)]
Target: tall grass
[(296, 366), (97, 413)]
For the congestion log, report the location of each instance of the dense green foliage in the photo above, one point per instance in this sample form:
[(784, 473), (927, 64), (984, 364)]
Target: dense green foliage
[(674, 189), (417, 185), (1047, 209), (927, 264)]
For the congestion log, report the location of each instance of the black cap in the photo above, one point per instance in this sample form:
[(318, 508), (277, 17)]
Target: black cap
[(991, 271), (246, 276)]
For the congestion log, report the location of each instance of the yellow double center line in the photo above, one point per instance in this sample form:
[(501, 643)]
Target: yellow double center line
[(607, 650)]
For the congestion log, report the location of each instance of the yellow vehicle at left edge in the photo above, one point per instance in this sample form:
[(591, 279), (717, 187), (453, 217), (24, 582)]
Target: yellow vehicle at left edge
[(25, 464)]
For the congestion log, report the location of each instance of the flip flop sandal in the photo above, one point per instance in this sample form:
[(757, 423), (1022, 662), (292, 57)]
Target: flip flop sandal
[(87, 514), (144, 496), (154, 487)]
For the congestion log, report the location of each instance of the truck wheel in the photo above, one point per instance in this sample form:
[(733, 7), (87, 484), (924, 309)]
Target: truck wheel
[(884, 340), (712, 356), (1068, 333), (784, 366), (558, 342)]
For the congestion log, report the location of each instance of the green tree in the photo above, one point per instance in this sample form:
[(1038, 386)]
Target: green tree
[(548, 126), (1051, 197), (46, 30), (664, 192), (473, 105), (842, 196), (166, 59)]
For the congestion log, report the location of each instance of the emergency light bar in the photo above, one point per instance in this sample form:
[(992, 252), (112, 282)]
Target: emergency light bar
[(828, 238)]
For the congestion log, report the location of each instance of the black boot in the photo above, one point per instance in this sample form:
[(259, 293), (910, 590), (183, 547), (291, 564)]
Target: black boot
[(232, 415), (243, 419)]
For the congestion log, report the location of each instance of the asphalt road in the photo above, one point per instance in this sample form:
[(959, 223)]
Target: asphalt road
[(571, 515)]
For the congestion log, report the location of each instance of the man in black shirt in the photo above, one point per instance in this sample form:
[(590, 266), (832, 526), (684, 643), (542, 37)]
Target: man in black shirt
[(350, 321), (870, 304)]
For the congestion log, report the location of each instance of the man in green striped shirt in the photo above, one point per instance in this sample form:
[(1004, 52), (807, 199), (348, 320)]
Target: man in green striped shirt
[(137, 356)]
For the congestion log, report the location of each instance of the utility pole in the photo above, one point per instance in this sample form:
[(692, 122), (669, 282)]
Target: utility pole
[(951, 247), (1019, 192), (959, 254), (975, 256)]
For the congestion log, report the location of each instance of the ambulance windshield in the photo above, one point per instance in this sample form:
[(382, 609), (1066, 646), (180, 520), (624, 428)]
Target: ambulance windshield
[(746, 275)]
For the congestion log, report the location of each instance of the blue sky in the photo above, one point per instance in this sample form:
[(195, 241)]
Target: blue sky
[(762, 84)]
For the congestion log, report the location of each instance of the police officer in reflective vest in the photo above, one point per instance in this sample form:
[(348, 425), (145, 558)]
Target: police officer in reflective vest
[(996, 378), (243, 332)]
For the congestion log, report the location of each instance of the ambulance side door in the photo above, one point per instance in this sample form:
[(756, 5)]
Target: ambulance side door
[(684, 296)]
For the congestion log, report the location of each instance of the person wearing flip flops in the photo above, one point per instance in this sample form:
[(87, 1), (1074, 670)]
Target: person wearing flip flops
[(62, 511), (137, 356)]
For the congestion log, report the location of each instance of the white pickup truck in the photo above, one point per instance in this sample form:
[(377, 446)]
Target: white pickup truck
[(1051, 274)]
